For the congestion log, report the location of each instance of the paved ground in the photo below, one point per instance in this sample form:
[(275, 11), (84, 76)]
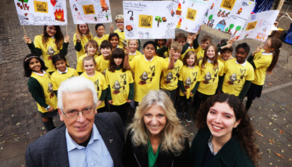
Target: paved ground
[(21, 124)]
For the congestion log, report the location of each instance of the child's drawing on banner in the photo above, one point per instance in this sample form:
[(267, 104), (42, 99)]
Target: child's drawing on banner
[(259, 25), (148, 20), (91, 11), (41, 12), (228, 15)]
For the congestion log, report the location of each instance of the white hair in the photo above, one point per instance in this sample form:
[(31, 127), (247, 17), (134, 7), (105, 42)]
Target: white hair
[(74, 85)]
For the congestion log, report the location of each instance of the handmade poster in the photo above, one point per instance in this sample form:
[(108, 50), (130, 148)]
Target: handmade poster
[(41, 12), (190, 13), (91, 11), (259, 25), (228, 15), (148, 20)]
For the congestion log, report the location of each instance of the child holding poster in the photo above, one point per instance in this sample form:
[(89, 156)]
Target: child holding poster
[(120, 84), (91, 48), (238, 73), (98, 79), (262, 60), (188, 83), (80, 38), (169, 77), (120, 31), (212, 74), (160, 43), (147, 70), (41, 88), (48, 44)]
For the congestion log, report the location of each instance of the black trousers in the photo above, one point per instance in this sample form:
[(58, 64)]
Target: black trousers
[(184, 102), (121, 110), (199, 99)]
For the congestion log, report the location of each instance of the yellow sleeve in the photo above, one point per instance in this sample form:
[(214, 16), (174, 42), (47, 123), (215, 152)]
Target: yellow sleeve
[(53, 79), (250, 74), (181, 74), (91, 35), (134, 62), (107, 77), (261, 62), (225, 67), (79, 67), (97, 60), (38, 41), (74, 39), (164, 64), (103, 82), (129, 73), (199, 75), (221, 68)]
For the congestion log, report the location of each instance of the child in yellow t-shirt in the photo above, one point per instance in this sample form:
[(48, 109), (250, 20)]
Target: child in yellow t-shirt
[(169, 77), (80, 38), (101, 36), (91, 48), (225, 54), (189, 81), (99, 81), (114, 40), (212, 75), (120, 31), (160, 43), (133, 45), (147, 70), (102, 61), (238, 73), (120, 84), (263, 60), (179, 37), (41, 88), (48, 44), (62, 73), (189, 45)]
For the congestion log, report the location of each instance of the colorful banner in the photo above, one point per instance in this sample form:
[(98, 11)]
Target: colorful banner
[(148, 20), (228, 15), (259, 25), (41, 12), (91, 11)]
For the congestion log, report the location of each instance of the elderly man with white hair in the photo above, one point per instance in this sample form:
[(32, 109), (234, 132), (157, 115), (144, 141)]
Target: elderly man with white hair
[(86, 138)]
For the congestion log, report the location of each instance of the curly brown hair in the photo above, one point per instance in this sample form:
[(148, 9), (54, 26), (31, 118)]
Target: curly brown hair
[(58, 36), (243, 132)]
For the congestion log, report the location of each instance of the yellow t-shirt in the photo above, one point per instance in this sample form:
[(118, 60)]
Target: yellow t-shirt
[(100, 40), (79, 66), (131, 56), (58, 78), (169, 77), (210, 77), (147, 74), (190, 77), (222, 60), (200, 53), (102, 64), (84, 40), (50, 97), (48, 51), (262, 61), (100, 84), (119, 85), (235, 76), (121, 37), (183, 55)]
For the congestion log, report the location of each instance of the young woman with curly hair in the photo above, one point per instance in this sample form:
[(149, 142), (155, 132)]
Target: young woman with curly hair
[(225, 136), (155, 137)]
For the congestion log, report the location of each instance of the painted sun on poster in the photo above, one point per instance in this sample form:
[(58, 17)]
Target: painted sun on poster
[(41, 12)]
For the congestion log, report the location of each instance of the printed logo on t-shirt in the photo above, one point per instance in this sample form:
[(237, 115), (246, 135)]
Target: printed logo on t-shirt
[(172, 74), (190, 80), (120, 84), (50, 52), (50, 90), (211, 77), (144, 77), (97, 85), (233, 78)]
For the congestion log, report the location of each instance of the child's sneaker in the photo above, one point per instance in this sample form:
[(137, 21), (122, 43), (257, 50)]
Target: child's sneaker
[(188, 118)]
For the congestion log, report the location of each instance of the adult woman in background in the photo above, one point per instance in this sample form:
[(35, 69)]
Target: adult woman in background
[(225, 136), (155, 137)]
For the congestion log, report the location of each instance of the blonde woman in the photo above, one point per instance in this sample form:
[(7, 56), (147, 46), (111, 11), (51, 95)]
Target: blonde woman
[(155, 137), (80, 38)]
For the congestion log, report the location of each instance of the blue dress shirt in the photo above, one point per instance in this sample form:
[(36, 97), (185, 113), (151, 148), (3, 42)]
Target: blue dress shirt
[(95, 154)]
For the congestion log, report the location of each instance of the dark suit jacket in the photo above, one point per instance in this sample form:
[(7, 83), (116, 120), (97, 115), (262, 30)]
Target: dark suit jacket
[(138, 156), (50, 150), (230, 155)]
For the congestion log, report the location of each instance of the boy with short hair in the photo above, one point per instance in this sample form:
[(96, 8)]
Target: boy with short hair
[(147, 70), (169, 77), (225, 54), (103, 61)]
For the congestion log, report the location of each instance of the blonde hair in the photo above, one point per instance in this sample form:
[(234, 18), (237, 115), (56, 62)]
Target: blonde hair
[(133, 40), (119, 17), (176, 46), (87, 58), (172, 136), (87, 32)]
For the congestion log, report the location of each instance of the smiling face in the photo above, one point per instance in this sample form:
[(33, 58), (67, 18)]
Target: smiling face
[(211, 53), (176, 54), (181, 41), (118, 61), (160, 42), (91, 50), (61, 65), (241, 55), (226, 54), (204, 44), (114, 41), (89, 66), (120, 24), (149, 51), (35, 65), (51, 30), (191, 60), (100, 31), (221, 120), (105, 51), (155, 119), (133, 46), (83, 28), (80, 127)]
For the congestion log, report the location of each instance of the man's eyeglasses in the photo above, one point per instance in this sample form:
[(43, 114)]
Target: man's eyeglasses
[(75, 113)]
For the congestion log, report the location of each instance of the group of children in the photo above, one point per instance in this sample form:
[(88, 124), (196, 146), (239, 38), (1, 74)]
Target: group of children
[(183, 68)]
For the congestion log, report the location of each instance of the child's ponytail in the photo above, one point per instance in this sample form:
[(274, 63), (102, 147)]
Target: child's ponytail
[(276, 44)]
